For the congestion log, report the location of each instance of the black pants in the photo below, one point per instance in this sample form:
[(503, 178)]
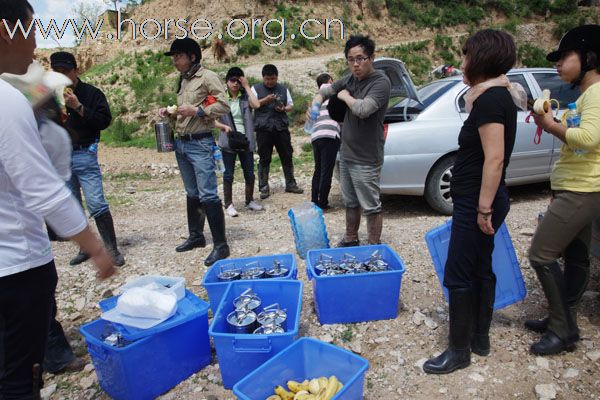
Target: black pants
[(470, 250), (58, 350), (324, 151), (265, 140), (26, 302)]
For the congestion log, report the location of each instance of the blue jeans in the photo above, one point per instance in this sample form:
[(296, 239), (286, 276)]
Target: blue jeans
[(197, 167), (470, 250), (86, 176), (247, 162)]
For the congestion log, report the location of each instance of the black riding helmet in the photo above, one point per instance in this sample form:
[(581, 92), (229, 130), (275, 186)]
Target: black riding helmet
[(582, 39)]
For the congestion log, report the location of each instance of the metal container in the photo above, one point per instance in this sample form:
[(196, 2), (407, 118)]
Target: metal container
[(164, 137), (253, 270), (273, 315), (268, 330), (248, 300), (278, 271), (242, 321), (229, 273)]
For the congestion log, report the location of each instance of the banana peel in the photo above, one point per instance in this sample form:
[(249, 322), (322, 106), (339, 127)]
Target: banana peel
[(297, 386), (314, 386), (284, 394), (274, 397)]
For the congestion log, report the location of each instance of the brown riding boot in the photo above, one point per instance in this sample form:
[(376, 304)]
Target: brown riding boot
[(227, 193), (374, 228), (352, 224)]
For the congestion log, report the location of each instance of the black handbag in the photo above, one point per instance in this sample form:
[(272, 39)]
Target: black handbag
[(337, 109), (237, 141)]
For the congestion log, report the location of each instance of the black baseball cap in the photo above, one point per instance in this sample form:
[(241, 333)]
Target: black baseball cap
[(63, 59), (585, 37), (185, 45)]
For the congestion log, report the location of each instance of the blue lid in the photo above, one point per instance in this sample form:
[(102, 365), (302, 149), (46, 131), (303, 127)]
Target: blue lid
[(188, 308), (572, 106)]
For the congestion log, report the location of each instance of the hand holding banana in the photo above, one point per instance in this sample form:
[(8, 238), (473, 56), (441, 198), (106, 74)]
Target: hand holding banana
[(541, 107), (316, 389)]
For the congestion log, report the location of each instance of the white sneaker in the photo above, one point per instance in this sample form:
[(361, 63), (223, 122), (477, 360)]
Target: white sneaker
[(254, 206), (231, 211)]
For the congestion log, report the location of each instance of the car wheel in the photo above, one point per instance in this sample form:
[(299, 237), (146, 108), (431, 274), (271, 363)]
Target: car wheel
[(437, 187)]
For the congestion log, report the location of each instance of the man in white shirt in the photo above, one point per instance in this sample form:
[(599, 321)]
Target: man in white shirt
[(30, 191)]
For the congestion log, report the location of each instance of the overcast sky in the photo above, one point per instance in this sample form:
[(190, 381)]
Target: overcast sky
[(59, 10)]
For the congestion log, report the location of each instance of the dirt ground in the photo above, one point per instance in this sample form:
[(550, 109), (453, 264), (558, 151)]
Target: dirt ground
[(148, 203)]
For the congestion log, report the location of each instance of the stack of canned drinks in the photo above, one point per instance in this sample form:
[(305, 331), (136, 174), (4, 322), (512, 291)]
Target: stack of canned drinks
[(350, 265), (252, 270), (244, 319)]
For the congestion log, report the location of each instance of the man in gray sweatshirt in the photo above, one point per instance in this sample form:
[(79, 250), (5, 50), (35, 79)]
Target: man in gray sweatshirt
[(366, 92)]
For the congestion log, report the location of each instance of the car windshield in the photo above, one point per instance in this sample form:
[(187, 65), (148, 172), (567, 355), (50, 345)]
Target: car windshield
[(427, 93)]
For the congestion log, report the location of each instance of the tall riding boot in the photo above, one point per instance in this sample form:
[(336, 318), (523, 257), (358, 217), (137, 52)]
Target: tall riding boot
[(216, 222), (576, 277), (195, 220), (106, 228), (290, 182), (227, 193), (374, 227), (249, 192), (562, 331), (458, 353), (352, 224), (263, 181), (483, 303)]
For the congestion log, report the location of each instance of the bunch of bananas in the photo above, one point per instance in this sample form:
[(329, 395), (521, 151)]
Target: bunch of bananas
[(316, 389)]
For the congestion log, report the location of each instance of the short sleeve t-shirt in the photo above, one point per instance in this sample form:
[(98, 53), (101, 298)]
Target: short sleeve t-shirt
[(493, 106)]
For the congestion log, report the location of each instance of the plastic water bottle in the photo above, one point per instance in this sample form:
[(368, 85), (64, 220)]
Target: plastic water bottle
[(573, 121), (309, 126), (218, 156)]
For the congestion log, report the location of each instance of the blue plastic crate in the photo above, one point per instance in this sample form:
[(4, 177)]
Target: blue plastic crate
[(240, 354), (307, 358), (356, 297), (216, 289), (150, 366), (510, 287)]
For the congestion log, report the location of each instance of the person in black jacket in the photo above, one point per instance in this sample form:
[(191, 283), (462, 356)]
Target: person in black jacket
[(88, 114)]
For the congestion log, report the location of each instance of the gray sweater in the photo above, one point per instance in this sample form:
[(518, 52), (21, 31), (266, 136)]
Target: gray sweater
[(362, 130)]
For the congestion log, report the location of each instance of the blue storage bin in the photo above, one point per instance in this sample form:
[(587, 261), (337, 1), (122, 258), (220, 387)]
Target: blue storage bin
[(152, 365), (308, 227), (356, 297), (307, 358), (216, 289), (239, 354), (510, 287)]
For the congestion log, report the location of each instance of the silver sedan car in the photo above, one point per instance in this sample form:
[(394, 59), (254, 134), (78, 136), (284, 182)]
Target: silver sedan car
[(422, 127)]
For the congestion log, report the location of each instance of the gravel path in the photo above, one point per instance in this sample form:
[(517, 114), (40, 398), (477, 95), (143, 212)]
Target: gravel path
[(150, 221)]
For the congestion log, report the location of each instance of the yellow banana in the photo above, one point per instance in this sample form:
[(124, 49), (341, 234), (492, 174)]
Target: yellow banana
[(284, 394), (299, 394), (330, 390), (297, 386), (305, 396), (313, 386), (340, 386), (323, 381), (274, 397)]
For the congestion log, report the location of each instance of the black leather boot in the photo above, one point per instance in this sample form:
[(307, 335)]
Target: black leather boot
[(482, 317), (458, 353), (106, 228), (537, 325), (562, 332), (216, 222), (79, 258), (195, 220), (263, 181)]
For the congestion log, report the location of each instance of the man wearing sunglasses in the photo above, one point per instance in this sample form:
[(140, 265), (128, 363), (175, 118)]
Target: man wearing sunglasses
[(366, 92)]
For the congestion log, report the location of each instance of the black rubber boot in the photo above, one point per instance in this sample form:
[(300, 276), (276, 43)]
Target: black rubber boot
[(79, 258), (106, 228), (562, 332), (537, 325), (290, 182), (482, 317), (195, 220), (263, 182), (458, 353), (216, 222)]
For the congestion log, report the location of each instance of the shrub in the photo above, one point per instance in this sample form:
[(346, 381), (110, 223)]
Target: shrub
[(248, 47), (532, 56)]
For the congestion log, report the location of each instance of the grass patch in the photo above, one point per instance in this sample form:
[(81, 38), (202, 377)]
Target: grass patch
[(128, 176), (116, 200)]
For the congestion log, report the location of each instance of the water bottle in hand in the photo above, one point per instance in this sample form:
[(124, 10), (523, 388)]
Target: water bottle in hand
[(314, 114), (218, 156), (573, 121)]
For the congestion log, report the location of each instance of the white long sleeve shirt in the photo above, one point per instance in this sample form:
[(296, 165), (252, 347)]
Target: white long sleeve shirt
[(30, 190)]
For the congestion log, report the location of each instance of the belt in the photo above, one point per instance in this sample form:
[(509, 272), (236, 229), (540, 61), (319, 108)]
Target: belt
[(195, 136), (81, 146)]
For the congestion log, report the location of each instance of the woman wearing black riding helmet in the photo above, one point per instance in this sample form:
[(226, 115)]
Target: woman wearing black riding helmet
[(565, 230)]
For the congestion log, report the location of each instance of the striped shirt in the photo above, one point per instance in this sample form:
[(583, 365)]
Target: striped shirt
[(325, 126)]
